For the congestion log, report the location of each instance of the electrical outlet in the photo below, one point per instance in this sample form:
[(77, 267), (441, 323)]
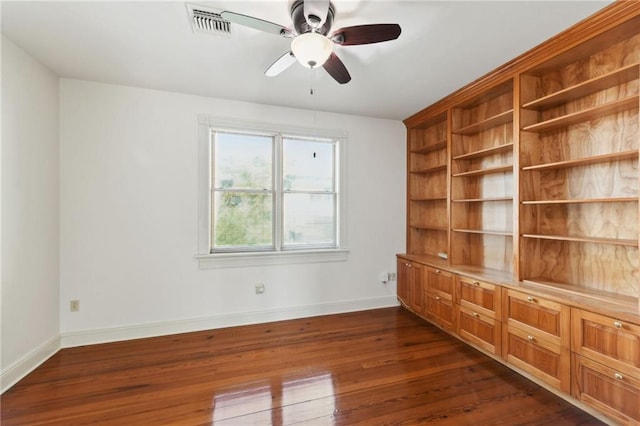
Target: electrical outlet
[(392, 276), (74, 306), (259, 288)]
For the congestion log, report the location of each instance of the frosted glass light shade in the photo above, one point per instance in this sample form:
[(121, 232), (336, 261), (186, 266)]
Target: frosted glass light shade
[(311, 49)]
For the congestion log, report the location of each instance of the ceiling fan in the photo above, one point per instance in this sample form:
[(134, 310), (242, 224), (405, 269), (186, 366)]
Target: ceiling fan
[(311, 45)]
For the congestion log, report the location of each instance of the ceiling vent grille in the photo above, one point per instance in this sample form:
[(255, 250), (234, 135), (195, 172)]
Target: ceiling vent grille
[(208, 21)]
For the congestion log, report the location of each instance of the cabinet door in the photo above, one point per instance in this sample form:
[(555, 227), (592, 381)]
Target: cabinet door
[(479, 329), (542, 359), (479, 296), (439, 282), (607, 340), (537, 316), (416, 288), (615, 394), (440, 310), (410, 285), (403, 281)]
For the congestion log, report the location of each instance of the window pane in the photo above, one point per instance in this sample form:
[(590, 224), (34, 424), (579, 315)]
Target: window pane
[(242, 219), (309, 219), (242, 161), (308, 165)]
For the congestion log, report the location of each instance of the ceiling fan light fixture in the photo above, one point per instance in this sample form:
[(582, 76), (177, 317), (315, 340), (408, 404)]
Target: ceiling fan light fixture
[(311, 49)]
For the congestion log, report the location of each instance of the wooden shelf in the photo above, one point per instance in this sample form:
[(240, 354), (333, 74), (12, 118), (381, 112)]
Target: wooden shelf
[(482, 200), (430, 227), (496, 120), (485, 171), (585, 115), (605, 158), (430, 148), (430, 170), (583, 201), (628, 303), (602, 82), (483, 231), (443, 198), (485, 152), (595, 240)]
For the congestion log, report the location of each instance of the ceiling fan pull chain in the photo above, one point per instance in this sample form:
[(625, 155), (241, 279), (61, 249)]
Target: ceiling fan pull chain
[(313, 81)]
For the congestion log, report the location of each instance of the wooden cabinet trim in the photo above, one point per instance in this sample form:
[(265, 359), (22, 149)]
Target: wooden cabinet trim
[(620, 13)]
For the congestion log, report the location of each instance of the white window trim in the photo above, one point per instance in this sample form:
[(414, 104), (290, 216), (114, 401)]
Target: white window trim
[(207, 260)]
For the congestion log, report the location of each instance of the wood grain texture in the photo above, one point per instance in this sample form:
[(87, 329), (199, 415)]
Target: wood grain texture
[(585, 265), (427, 187), (374, 367), (493, 252), (598, 386)]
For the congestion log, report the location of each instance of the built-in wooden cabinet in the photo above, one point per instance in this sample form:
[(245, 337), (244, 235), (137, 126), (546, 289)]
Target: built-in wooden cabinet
[(479, 313), (536, 337), (528, 180), (438, 293), (607, 364)]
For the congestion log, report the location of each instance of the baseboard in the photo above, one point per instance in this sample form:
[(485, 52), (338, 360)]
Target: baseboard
[(90, 337), (29, 362)]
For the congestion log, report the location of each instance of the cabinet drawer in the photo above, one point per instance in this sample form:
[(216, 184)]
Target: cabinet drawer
[(479, 329), (440, 310), (439, 282), (607, 340), (479, 296), (542, 359), (537, 316), (606, 389)]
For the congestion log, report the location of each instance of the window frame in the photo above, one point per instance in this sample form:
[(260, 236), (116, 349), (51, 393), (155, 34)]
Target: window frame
[(280, 255)]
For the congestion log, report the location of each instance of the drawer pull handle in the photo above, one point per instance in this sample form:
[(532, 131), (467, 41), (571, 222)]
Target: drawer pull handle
[(531, 299), (437, 271), (475, 314), (408, 265), (476, 283), (617, 324), (530, 338), (437, 297), (618, 376)]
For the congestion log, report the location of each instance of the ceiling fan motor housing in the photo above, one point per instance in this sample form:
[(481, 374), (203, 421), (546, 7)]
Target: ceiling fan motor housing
[(300, 21)]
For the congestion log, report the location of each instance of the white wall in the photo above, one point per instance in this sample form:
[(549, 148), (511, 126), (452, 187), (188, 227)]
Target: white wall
[(30, 214), (128, 161)]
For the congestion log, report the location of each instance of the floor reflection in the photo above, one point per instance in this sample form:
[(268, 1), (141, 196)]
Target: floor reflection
[(277, 402)]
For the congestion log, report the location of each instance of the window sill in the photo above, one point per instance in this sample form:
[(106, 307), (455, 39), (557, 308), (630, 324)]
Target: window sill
[(234, 260)]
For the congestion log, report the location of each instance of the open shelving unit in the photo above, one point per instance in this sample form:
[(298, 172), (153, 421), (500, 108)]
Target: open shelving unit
[(482, 179), (427, 187), (579, 145)]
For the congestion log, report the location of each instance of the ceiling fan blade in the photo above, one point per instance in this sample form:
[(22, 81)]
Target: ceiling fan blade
[(315, 12), (366, 34), (281, 64), (336, 69), (256, 23)]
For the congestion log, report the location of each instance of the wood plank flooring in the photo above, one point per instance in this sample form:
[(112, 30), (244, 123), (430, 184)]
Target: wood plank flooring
[(376, 367)]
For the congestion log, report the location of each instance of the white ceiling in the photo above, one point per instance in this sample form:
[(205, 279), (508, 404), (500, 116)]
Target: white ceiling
[(443, 46)]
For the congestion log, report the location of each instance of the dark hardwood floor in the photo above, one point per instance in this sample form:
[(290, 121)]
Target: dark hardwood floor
[(375, 367)]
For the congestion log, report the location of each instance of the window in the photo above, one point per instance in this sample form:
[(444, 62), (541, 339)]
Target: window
[(270, 193)]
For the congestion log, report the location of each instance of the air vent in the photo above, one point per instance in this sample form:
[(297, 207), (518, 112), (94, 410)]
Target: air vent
[(208, 21)]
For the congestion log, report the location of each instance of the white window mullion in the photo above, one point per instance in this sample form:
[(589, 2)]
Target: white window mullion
[(278, 197)]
